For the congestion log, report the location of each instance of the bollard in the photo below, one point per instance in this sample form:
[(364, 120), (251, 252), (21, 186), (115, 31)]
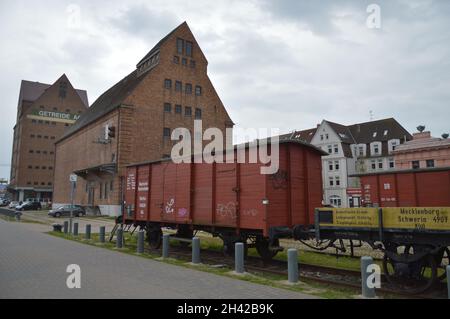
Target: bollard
[(367, 292), (166, 244), (66, 227), (239, 258), (87, 235), (196, 250), (75, 229), (140, 242), (292, 266), (119, 240), (448, 280), (101, 235)]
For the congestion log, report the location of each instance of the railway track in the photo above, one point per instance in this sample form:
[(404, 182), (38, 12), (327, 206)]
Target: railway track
[(320, 274)]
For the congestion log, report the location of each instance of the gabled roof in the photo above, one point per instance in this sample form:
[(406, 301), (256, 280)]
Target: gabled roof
[(343, 132), (31, 91), (386, 129), (305, 135), (107, 102)]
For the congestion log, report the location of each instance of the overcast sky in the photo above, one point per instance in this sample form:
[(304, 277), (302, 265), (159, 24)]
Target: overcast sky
[(282, 64)]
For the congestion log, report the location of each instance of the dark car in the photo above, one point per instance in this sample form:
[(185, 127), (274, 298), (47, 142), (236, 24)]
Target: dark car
[(65, 211), (29, 206)]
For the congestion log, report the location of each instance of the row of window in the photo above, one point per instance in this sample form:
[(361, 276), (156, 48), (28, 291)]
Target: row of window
[(187, 110), (42, 136), (374, 165), (42, 183), (40, 167), (41, 152), (333, 148), (55, 109), (47, 122), (105, 189), (184, 61), (334, 181), (333, 166), (179, 87), (416, 164)]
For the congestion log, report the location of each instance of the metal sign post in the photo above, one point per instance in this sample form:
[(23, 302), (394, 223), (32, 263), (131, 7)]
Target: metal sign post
[(73, 182)]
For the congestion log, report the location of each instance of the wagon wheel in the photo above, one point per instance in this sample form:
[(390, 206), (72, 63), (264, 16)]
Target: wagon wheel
[(263, 248), (154, 237), (412, 277), (445, 260)]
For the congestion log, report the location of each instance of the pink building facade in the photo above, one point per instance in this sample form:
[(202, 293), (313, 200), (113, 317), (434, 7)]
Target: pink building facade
[(424, 151)]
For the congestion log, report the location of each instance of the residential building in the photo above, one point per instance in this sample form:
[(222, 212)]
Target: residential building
[(423, 151), (353, 149), (132, 122), (44, 113)]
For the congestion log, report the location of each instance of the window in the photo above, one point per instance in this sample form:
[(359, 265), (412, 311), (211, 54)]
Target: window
[(52, 137), (361, 150), (198, 114), (178, 109), (321, 137), (166, 132), (188, 88), (331, 181), (198, 90), (30, 167), (31, 151), (184, 61), (387, 186), (49, 183), (192, 64), (111, 186), (50, 167), (330, 149), (335, 201), (167, 108), (44, 167), (100, 195), (336, 165), (180, 46), (376, 149), (336, 149), (373, 165), (374, 134), (385, 132), (380, 164), (32, 136), (189, 48), (188, 111), (62, 90), (106, 190), (176, 59), (178, 86), (168, 84), (330, 166), (33, 121), (326, 136), (338, 181), (430, 163), (391, 163), (415, 164)]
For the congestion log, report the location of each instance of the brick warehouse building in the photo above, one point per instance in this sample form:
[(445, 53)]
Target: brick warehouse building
[(168, 89), (44, 113)]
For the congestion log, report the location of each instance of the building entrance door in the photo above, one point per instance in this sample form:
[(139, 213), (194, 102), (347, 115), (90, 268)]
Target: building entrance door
[(91, 195)]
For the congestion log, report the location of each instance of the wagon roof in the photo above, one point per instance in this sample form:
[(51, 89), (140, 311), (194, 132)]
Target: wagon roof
[(243, 146), (404, 171)]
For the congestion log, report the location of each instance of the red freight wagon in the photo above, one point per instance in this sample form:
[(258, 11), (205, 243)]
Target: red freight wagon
[(408, 188), (233, 201)]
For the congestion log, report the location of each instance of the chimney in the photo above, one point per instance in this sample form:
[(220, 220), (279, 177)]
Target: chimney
[(421, 135)]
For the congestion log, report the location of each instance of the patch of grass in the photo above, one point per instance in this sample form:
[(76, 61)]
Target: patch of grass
[(23, 220)]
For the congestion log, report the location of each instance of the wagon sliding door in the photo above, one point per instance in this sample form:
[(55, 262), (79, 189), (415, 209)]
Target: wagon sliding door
[(226, 195)]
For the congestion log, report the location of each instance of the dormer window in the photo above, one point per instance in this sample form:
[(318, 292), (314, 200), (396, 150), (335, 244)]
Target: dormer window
[(385, 132), (374, 134)]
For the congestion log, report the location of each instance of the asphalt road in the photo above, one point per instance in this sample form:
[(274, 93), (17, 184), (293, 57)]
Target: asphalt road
[(33, 265)]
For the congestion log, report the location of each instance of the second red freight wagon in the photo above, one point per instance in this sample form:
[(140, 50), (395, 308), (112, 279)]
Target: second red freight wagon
[(233, 201)]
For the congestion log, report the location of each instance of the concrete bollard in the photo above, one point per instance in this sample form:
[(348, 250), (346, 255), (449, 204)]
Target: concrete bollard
[(448, 280), (75, 229), (101, 234), (367, 292), (239, 258), (87, 235), (66, 227), (119, 241), (293, 266), (140, 242), (196, 250), (166, 244)]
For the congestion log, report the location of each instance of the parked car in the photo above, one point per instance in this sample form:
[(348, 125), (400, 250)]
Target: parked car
[(4, 202), (14, 204), (65, 211), (29, 206)]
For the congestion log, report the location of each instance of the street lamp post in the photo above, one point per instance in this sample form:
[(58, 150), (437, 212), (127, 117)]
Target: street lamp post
[(73, 182)]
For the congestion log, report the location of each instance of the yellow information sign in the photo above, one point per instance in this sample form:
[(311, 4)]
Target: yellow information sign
[(419, 218), (353, 217)]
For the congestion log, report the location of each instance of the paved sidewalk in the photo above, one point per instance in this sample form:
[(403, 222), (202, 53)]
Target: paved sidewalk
[(33, 265)]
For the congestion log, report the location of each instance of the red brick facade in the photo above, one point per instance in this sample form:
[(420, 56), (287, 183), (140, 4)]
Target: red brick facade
[(136, 108)]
